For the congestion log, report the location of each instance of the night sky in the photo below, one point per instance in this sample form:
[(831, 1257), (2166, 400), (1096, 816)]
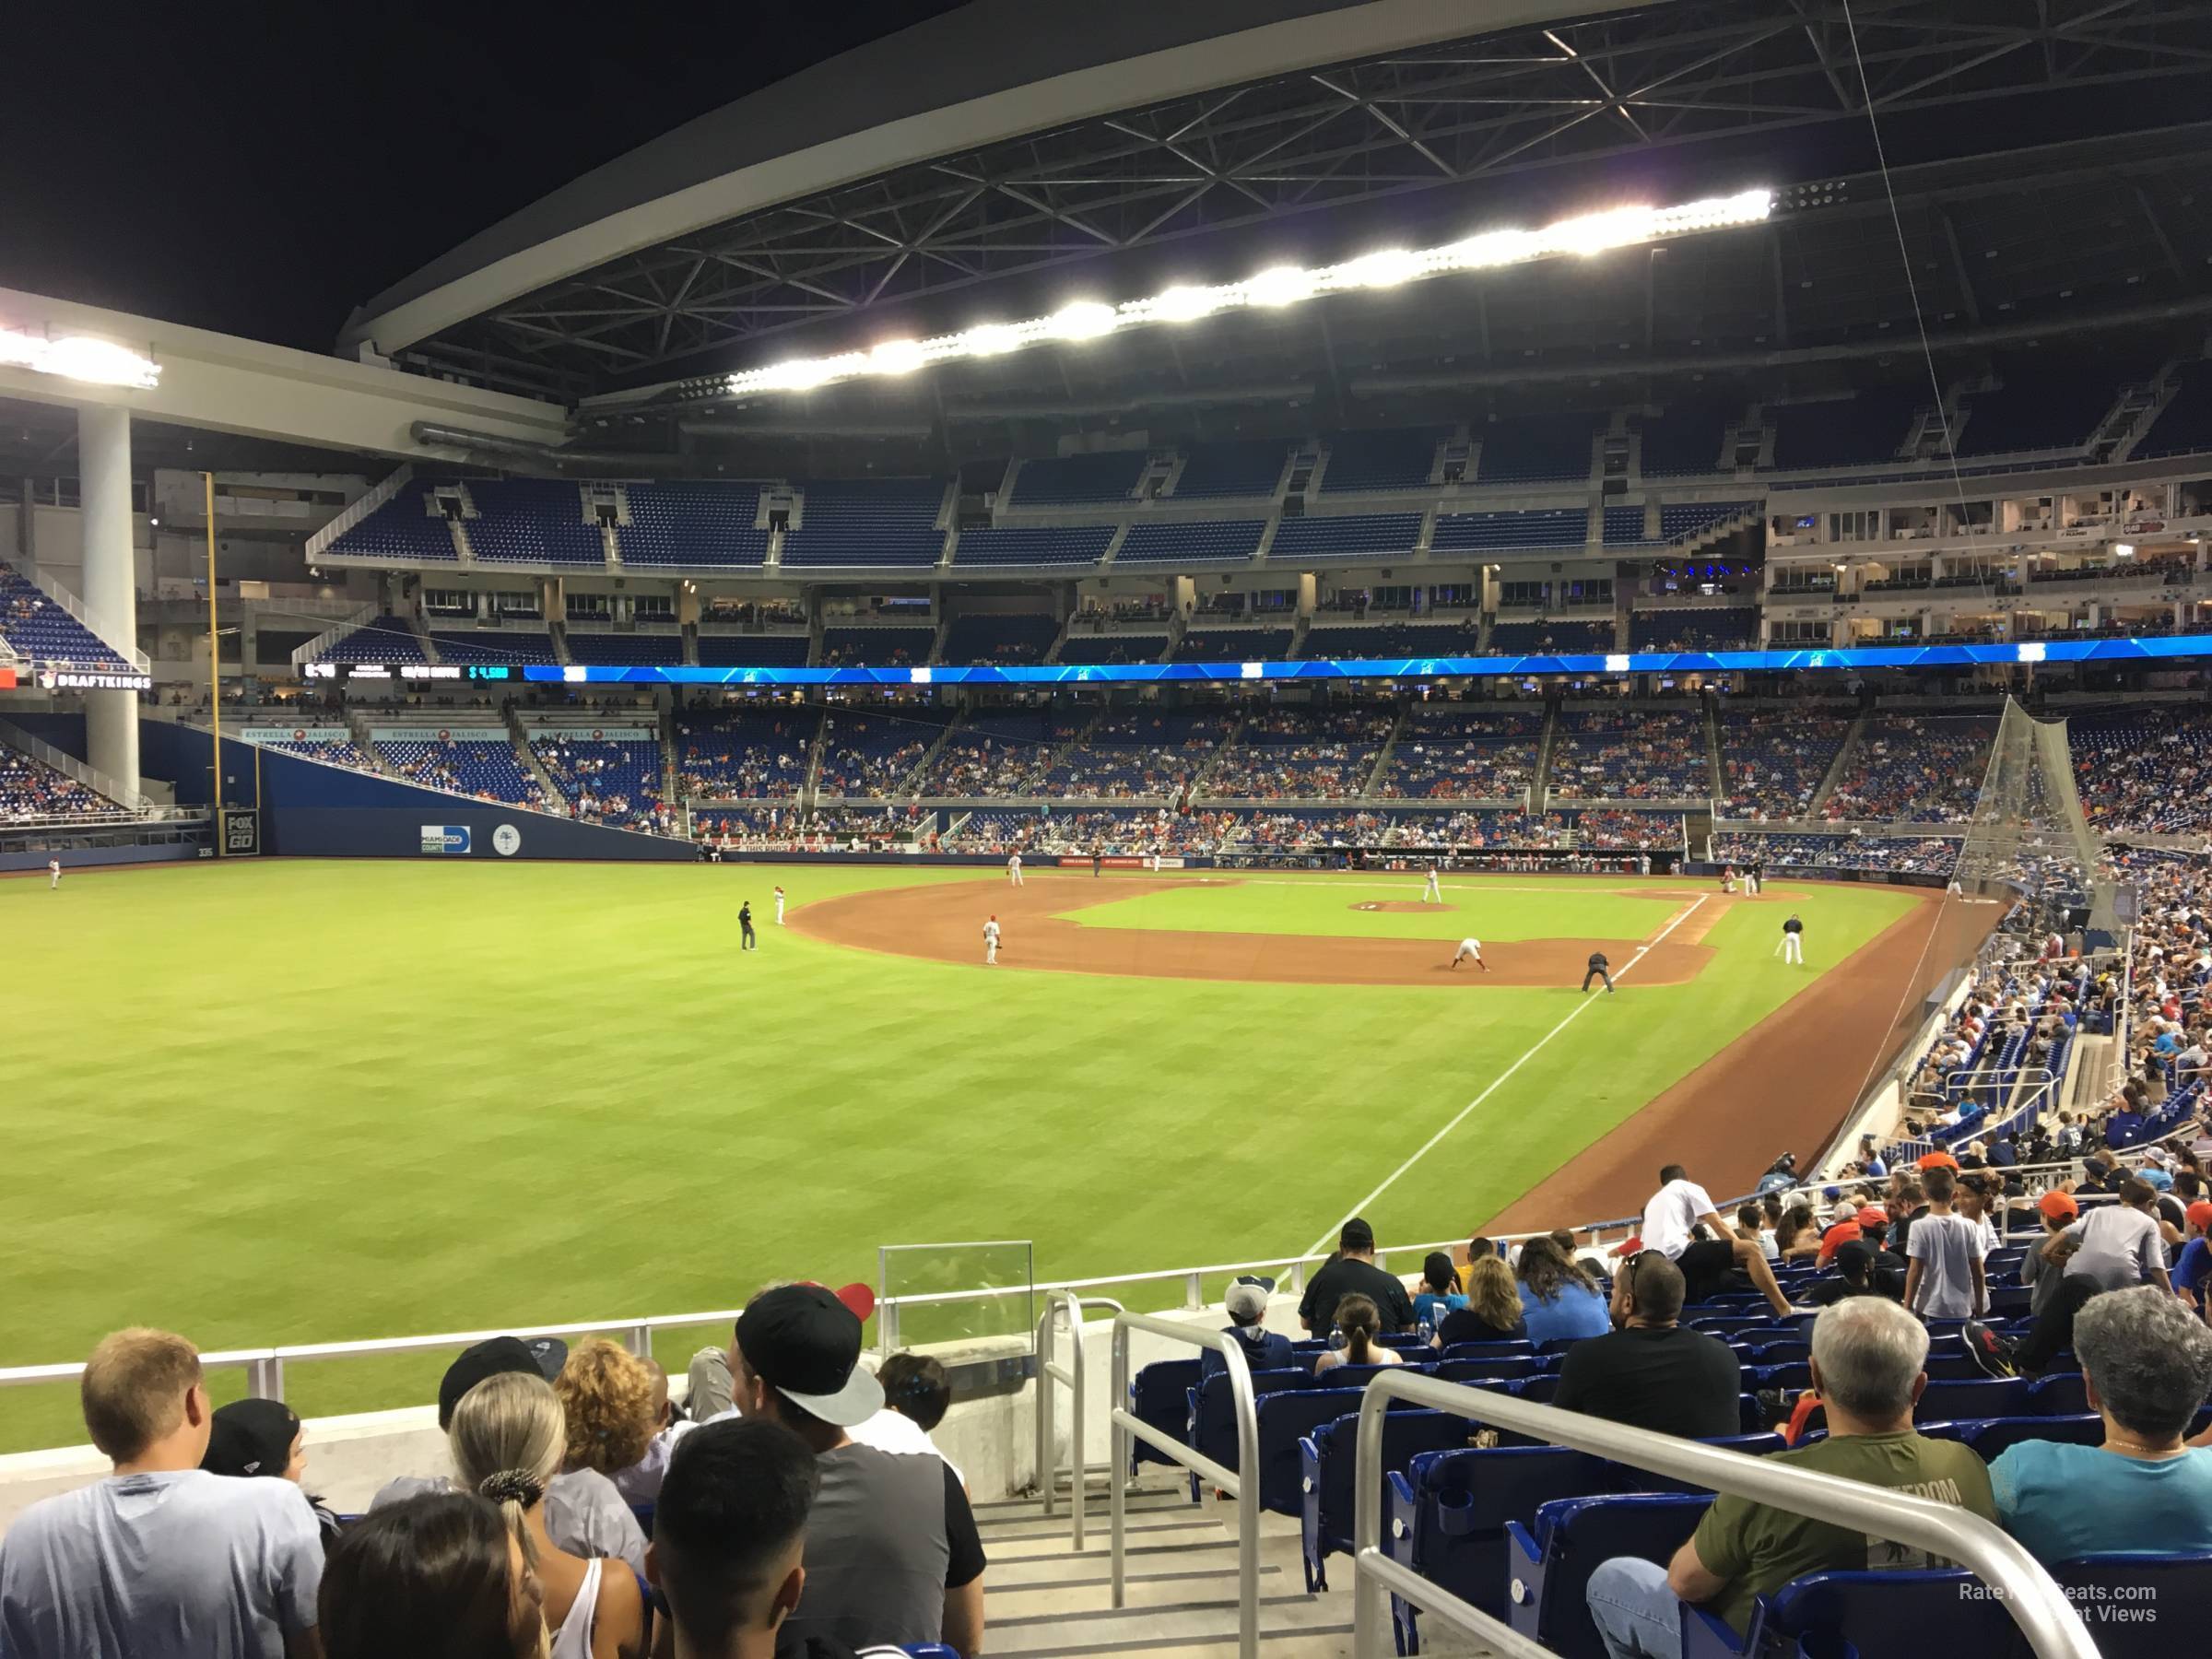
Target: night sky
[(263, 178)]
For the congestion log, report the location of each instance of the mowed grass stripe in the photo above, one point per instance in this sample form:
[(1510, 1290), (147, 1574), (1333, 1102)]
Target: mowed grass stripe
[(307, 1101)]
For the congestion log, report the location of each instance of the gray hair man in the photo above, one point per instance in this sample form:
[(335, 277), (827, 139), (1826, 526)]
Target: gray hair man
[(2147, 1366), (1869, 1359)]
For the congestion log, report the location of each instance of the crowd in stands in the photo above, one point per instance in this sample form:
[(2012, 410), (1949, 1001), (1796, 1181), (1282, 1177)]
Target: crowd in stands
[(1141, 752), (1614, 829), (1630, 755), (606, 781), (31, 791), (1089, 830), (1772, 760), (1287, 753), (872, 755), (486, 768), (2143, 770), (1448, 753), (1921, 856), (749, 754), (1922, 768)]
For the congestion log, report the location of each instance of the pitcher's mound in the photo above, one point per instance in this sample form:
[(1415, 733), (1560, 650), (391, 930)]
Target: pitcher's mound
[(1403, 907)]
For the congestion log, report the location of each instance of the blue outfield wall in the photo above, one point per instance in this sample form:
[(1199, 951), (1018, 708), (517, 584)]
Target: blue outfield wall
[(312, 810)]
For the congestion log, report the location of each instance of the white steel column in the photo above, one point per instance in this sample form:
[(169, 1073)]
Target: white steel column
[(110, 578)]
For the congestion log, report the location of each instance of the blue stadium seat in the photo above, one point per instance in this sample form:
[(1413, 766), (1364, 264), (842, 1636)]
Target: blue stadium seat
[(1073, 480), (2064, 1395), (1034, 544), (1230, 470), (1287, 1417), (1548, 1563), (1762, 1443), (2174, 1591), (1328, 1462), (1212, 1432), (1489, 1370), (531, 521), (867, 522), (709, 525), (1991, 1437), (1990, 1398), (405, 530), (1875, 1613), (1391, 459), (1159, 1397), (1154, 541), (1447, 1512), (1360, 536)]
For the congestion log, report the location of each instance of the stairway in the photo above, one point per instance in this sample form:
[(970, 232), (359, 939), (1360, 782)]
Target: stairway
[(1539, 788), (1713, 750), (556, 801), (911, 783), (1044, 1597), (1837, 766), (1382, 768), (1198, 776)]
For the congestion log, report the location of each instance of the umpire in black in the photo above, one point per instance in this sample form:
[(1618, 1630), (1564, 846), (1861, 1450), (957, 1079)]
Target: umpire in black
[(1598, 971), (745, 941)]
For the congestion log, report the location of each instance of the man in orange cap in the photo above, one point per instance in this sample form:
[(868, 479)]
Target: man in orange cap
[(2194, 1268)]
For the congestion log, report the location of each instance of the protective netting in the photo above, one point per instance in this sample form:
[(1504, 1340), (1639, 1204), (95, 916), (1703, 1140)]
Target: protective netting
[(2028, 834)]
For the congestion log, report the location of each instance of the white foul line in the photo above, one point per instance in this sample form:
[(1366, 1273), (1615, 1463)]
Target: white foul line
[(1328, 1238)]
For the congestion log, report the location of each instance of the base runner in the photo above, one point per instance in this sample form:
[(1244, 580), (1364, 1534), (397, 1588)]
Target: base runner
[(1469, 950)]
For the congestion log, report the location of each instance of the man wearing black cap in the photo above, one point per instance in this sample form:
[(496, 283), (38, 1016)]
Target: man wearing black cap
[(892, 1553), (585, 1512), (1354, 1273)]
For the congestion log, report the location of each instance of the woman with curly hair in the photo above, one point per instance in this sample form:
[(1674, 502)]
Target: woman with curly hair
[(606, 1398), (1559, 1299), (508, 1439)]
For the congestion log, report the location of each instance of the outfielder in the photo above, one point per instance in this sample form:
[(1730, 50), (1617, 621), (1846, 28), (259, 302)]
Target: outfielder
[(53, 874), (1434, 893), (991, 943), (1469, 949), (1793, 941), (779, 907), (1014, 869)]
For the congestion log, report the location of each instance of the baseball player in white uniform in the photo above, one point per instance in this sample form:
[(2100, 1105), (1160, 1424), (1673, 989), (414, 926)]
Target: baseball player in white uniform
[(1014, 869), (1469, 950), (991, 942), (53, 874), (1434, 893), (779, 907)]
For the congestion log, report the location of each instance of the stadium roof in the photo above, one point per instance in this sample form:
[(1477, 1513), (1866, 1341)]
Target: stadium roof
[(977, 149)]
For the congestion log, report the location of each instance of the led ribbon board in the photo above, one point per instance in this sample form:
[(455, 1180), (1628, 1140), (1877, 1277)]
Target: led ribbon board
[(2161, 647)]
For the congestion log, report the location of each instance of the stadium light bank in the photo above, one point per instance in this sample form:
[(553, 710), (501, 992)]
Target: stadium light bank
[(78, 358), (1283, 285)]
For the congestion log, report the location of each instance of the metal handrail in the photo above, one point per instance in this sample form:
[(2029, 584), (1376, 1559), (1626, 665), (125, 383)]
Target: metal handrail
[(1242, 1483), (2038, 1605), (1048, 1374)]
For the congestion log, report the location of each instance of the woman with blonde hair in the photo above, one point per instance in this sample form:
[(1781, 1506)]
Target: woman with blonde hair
[(1359, 1322), (1493, 1311), (508, 1438)]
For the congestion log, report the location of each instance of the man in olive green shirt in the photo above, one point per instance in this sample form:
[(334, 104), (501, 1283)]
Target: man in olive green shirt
[(1868, 1359)]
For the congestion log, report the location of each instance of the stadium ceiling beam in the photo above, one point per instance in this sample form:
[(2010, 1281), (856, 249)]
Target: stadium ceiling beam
[(1403, 120)]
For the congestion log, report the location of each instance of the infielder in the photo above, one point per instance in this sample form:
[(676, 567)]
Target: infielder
[(1469, 950), (1014, 869), (779, 907), (1793, 941), (991, 943), (1434, 893), (53, 874)]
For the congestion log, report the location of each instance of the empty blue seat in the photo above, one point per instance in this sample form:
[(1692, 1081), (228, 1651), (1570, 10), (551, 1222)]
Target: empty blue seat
[(1287, 1417), (1159, 1397), (1448, 1513), (1548, 1563), (1328, 1460), (1213, 1420), (1877, 1613), (1487, 1371), (1486, 1351), (1992, 1438), (2062, 1395), (1989, 1397), (2159, 1605)]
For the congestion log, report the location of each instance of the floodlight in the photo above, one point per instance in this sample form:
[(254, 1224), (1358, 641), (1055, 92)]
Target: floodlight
[(988, 340), (1282, 285), (1085, 320), (78, 358), (1187, 304), (2123, 549), (1089, 319), (1386, 269)]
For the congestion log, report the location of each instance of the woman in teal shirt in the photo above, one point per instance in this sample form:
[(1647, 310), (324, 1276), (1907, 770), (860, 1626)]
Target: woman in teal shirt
[(2148, 1365)]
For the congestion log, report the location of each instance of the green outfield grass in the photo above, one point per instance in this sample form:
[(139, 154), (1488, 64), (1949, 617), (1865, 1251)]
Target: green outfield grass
[(322, 1100), (1492, 909)]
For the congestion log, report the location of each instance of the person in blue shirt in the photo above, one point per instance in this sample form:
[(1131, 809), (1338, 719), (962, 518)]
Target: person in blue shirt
[(1439, 1292), (1559, 1297), (1246, 1304), (2147, 1363)]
